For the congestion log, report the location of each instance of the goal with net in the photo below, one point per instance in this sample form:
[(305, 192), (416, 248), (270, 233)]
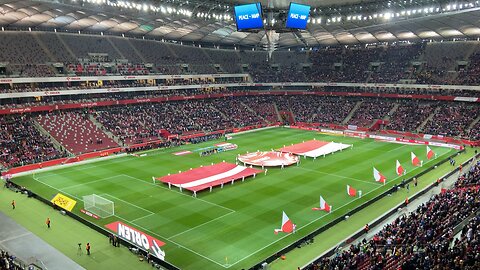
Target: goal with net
[(99, 205)]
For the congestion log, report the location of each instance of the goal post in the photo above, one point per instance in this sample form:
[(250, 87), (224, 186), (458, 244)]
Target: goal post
[(99, 205)]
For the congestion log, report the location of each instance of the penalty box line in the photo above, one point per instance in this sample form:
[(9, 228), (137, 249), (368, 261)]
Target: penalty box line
[(88, 183), (141, 227), (150, 213)]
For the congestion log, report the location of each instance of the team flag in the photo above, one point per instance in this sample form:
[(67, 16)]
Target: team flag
[(287, 225), (415, 160), (378, 176), (323, 206), (351, 191), (399, 169), (430, 153)]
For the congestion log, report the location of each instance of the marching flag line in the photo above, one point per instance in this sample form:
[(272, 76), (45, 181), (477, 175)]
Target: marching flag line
[(399, 169), (378, 176)]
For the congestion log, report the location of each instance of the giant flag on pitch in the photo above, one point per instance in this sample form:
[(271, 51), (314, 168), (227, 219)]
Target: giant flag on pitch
[(287, 225), (378, 176), (323, 206), (399, 168), (351, 191), (415, 160), (430, 153)]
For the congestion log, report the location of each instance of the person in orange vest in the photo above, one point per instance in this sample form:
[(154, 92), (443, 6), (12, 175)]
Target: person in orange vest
[(48, 222), (87, 247), (406, 201), (366, 228), (13, 204)]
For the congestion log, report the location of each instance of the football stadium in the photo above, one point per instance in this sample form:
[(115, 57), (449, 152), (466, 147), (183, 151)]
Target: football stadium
[(266, 134)]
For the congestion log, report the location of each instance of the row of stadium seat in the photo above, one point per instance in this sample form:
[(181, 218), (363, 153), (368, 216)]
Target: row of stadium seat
[(142, 123), (427, 63)]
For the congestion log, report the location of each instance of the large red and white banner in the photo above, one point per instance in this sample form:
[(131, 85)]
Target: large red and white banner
[(208, 176), (138, 238), (314, 148), (268, 159)]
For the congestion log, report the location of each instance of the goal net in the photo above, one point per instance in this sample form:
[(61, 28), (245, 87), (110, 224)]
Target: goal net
[(99, 205)]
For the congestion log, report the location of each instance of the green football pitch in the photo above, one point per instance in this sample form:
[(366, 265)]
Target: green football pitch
[(232, 227)]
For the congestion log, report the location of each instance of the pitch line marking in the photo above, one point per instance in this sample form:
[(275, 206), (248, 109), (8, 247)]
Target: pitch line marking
[(131, 204), (143, 228), (15, 237), (88, 183), (200, 225), (159, 186), (207, 258), (173, 242), (79, 167), (315, 220), (341, 176), (149, 215)]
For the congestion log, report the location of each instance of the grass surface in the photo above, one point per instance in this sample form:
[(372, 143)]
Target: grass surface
[(232, 227), (66, 232)]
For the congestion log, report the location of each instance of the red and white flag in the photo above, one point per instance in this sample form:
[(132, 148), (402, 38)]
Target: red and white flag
[(378, 176), (415, 160), (399, 169), (287, 225), (351, 191), (430, 153), (323, 206)]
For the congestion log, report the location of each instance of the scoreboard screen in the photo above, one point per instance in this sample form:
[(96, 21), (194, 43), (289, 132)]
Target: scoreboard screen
[(298, 16), (248, 16)]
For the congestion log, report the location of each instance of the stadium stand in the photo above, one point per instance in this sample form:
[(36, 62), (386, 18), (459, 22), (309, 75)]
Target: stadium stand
[(369, 111), (22, 143), (75, 132), (452, 120), (8, 261), (427, 63), (410, 115), (139, 123)]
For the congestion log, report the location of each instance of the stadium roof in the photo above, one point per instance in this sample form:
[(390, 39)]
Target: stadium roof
[(193, 26)]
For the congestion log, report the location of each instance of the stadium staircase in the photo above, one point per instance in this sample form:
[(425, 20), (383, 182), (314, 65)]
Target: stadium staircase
[(218, 111), (279, 117), (54, 141), (44, 47), (352, 112), (101, 127), (430, 117), (287, 116), (392, 111), (253, 111), (135, 50), (69, 50), (210, 60), (473, 124), (115, 48)]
